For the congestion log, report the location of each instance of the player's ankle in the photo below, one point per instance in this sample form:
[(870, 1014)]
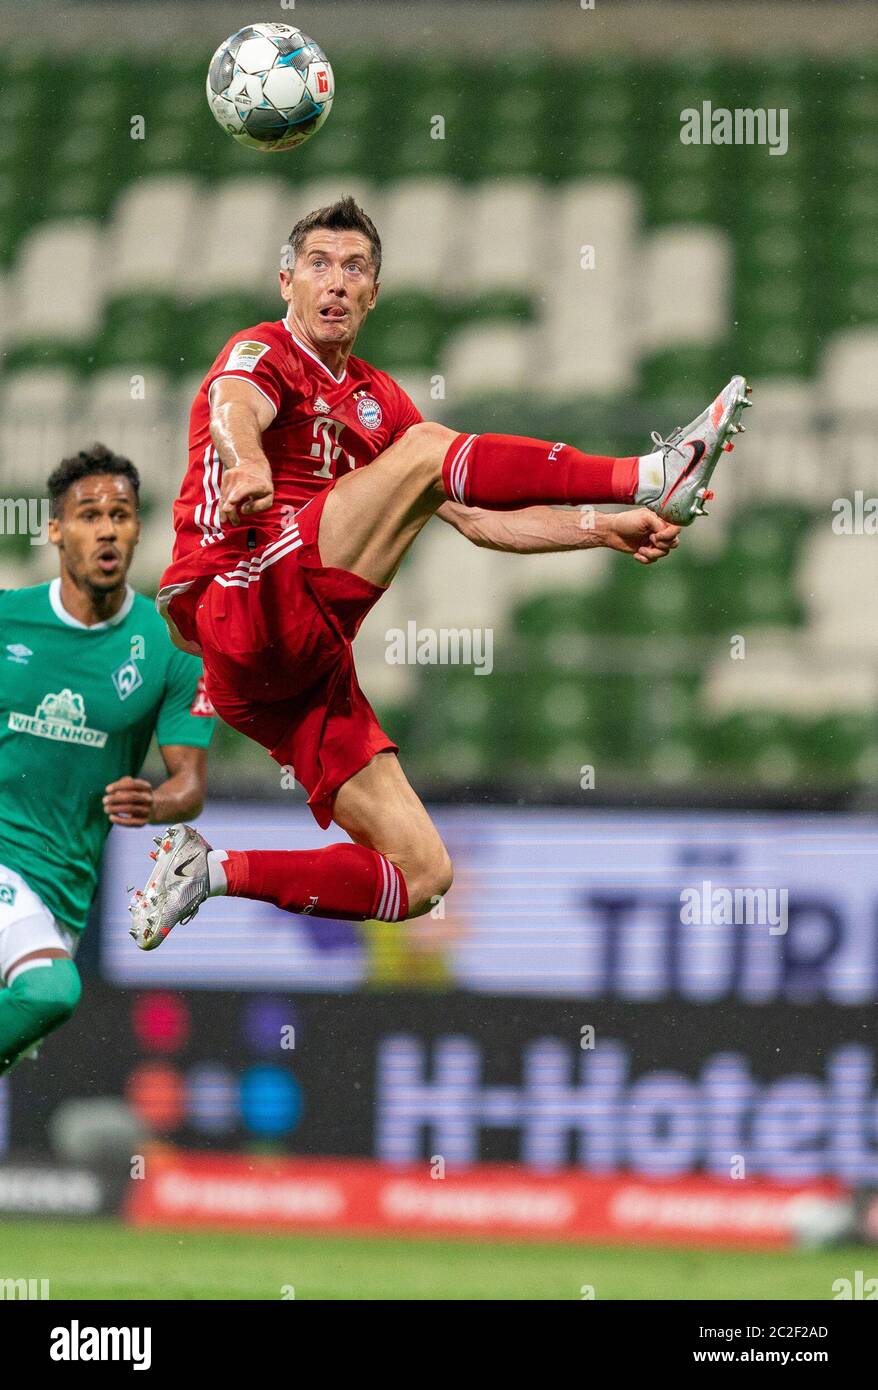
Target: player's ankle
[(650, 476), (219, 883)]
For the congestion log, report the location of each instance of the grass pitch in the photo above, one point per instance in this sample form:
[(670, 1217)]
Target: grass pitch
[(105, 1260)]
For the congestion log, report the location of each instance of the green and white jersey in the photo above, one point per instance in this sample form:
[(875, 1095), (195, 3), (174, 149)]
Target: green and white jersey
[(78, 708)]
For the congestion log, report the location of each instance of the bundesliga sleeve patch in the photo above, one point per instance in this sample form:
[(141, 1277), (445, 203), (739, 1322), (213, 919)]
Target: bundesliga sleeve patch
[(245, 356)]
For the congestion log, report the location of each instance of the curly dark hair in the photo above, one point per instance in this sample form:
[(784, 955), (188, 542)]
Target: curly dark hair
[(343, 216), (97, 459)]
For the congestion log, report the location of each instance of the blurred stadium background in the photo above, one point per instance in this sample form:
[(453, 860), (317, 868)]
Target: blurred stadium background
[(127, 262)]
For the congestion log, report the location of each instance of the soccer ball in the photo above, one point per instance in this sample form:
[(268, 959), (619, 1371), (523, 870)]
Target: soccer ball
[(270, 86)]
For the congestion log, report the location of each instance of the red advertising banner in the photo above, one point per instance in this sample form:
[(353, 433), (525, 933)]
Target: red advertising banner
[(240, 1192)]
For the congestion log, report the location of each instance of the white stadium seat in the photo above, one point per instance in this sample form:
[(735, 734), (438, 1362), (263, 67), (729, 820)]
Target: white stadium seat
[(850, 370), (38, 422), (419, 232), (487, 357), (420, 386), (684, 281), (140, 428), (785, 398), (501, 230), (68, 257), (790, 679), (589, 333), (243, 225), (837, 578), (152, 235), (153, 553), (316, 193), (471, 592), (386, 682)]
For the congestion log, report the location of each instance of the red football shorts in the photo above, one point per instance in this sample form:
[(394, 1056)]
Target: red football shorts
[(276, 636)]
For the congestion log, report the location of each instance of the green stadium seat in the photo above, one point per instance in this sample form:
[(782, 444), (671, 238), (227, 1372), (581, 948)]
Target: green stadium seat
[(770, 538), (684, 377), (140, 330), (201, 329), (835, 745), (406, 333), (760, 746), (83, 195)]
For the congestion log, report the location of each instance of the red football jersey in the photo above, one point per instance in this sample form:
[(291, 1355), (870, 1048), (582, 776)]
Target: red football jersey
[(324, 426)]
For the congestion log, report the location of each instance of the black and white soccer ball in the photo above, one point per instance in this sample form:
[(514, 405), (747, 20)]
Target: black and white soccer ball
[(270, 86)]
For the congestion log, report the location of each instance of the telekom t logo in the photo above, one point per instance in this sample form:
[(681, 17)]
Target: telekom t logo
[(327, 447)]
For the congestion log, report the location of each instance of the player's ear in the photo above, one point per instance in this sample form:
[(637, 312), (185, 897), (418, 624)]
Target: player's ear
[(53, 530), (374, 295)]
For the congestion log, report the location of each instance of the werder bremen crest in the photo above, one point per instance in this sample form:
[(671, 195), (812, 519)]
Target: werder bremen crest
[(60, 717)]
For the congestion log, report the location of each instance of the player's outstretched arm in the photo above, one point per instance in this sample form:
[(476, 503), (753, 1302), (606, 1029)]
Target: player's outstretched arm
[(239, 414), (539, 530)]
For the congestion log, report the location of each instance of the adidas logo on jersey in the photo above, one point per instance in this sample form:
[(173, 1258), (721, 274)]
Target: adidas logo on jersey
[(320, 404)]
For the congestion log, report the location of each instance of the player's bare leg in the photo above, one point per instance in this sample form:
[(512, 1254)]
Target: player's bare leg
[(368, 529), (372, 515), (378, 807)]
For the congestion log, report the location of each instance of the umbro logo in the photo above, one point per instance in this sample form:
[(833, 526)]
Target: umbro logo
[(320, 404), (17, 651)]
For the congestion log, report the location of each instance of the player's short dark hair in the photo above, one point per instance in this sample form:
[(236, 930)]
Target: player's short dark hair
[(97, 459), (346, 215)]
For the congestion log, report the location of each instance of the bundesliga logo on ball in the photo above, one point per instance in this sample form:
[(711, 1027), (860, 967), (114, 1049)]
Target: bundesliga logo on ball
[(270, 86)]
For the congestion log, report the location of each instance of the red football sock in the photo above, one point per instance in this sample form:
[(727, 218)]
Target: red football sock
[(342, 881), (504, 471)]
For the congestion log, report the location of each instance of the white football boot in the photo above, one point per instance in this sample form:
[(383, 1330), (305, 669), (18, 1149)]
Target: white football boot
[(691, 455), (176, 888)]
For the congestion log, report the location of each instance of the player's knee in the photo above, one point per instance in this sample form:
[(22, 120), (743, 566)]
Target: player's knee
[(426, 446), (428, 880)]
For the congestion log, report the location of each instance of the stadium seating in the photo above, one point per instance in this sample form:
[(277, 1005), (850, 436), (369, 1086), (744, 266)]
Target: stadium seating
[(563, 266)]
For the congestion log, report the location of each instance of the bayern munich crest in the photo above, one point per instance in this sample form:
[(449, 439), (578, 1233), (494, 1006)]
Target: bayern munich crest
[(369, 412)]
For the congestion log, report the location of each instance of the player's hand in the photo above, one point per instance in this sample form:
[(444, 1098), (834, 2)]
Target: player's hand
[(642, 534), (245, 490), (130, 801)]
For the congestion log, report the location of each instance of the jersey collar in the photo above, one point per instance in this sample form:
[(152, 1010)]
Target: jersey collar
[(61, 612), (339, 380)]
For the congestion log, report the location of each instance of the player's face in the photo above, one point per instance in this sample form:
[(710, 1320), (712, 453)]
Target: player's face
[(331, 287), (97, 531)]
